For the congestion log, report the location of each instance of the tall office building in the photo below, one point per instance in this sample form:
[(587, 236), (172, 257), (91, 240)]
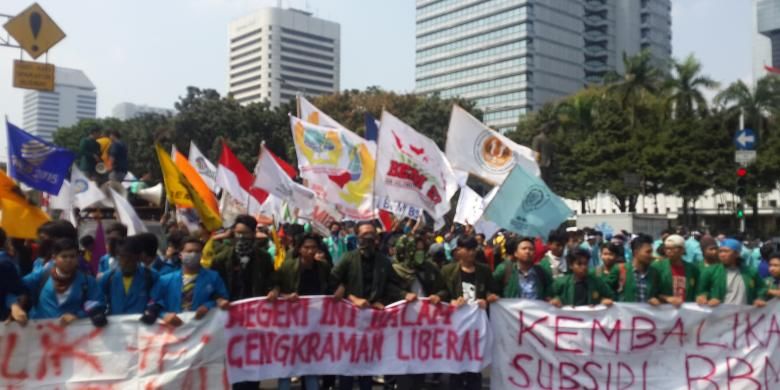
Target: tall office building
[(513, 56), (766, 40), (73, 99), (277, 53)]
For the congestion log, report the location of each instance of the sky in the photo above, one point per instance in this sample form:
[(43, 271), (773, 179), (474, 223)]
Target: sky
[(149, 51)]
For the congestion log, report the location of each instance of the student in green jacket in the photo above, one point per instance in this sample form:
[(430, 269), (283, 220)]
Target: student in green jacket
[(730, 282), (709, 249), (638, 281), (580, 287), (678, 279), (553, 262), (772, 282), (612, 262), (518, 277)]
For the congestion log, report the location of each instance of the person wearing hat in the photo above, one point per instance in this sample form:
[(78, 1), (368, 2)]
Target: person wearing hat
[(468, 281), (730, 281), (709, 250), (518, 276), (678, 278)]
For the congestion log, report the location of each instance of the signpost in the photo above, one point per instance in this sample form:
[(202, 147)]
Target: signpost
[(34, 30), (33, 75), (744, 155)]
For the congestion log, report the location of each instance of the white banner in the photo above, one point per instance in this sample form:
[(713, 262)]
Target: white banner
[(470, 207), (634, 346), (123, 355), (322, 336)]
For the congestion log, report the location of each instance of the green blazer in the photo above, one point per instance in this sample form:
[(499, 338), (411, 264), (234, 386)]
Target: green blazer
[(713, 283), (665, 285), (287, 278), (429, 276), (451, 274), (506, 278), (545, 264), (597, 289), (611, 278), (385, 285), (256, 276), (628, 293), (768, 284)]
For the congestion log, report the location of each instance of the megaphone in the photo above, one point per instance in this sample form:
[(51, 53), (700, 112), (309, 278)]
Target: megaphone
[(153, 195), (100, 168)]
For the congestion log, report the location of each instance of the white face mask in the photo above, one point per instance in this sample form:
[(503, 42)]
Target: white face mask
[(190, 260)]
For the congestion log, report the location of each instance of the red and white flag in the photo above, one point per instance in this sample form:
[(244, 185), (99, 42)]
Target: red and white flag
[(236, 180), (272, 178)]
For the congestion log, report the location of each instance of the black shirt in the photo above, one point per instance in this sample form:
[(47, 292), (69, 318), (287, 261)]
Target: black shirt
[(367, 267), (309, 282), (580, 293)]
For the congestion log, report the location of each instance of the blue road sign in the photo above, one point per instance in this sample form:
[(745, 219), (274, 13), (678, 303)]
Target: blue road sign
[(745, 139)]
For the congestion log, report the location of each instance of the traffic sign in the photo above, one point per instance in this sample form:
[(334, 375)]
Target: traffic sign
[(745, 157), (745, 139), (34, 30), (33, 75)]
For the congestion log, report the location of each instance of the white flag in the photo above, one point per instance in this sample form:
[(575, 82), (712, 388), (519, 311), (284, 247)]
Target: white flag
[(483, 152), (64, 201), (128, 180), (470, 207), (412, 169), (270, 177), (85, 191), (310, 113), (205, 168), (127, 215)]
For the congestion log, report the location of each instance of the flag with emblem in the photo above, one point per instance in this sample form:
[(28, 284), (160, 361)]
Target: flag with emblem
[(36, 162)]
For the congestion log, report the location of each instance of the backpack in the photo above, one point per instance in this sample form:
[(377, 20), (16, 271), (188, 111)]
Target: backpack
[(107, 289)]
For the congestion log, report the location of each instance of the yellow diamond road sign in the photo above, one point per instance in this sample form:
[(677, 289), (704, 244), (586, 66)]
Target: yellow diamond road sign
[(34, 30)]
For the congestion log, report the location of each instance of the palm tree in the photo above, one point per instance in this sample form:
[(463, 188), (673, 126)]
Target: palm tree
[(685, 86), (641, 77), (754, 103)]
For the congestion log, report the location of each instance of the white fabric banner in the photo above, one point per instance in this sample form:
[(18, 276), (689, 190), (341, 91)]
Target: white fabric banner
[(634, 346), (123, 355), (205, 168), (484, 152), (322, 336), (270, 177), (411, 168), (470, 207)]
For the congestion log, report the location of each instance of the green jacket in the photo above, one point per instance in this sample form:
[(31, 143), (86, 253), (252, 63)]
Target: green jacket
[(597, 289), (628, 293), (454, 288), (665, 285), (713, 283), (430, 278), (768, 284), (611, 278), (288, 276), (506, 278), (545, 264), (385, 285), (256, 276)]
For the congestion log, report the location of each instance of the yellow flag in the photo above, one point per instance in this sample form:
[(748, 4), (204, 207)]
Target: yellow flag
[(181, 193), (208, 254), (20, 219), (281, 252), (193, 177)]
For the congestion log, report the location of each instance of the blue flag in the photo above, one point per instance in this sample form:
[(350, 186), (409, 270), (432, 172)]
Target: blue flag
[(35, 162), (526, 206), (372, 128)]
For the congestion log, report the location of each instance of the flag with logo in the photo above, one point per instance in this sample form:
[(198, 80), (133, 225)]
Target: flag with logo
[(36, 162), (85, 192), (526, 206), (205, 168), (270, 177), (412, 169), (474, 147)]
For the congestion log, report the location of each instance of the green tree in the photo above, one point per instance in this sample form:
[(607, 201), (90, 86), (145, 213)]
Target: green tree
[(686, 84)]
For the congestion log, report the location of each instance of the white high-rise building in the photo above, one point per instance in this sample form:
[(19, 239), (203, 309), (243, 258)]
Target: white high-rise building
[(277, 53), (766, 36), (73, 99), (125, 110), (513, 56)]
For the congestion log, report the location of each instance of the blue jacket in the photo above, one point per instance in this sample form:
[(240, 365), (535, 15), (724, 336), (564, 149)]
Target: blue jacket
[(10, 286), (208, 287), (83, 289), (39, 264), (164, 267), (105, 264), (136, 299), (693, 253)]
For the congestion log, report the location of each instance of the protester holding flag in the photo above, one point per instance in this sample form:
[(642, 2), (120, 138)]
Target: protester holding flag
[(192, 288), (731, 281), (518, 276), (128, 287), (244, 265), (678, 278), (639, 281), (580, 287), (62, 291)]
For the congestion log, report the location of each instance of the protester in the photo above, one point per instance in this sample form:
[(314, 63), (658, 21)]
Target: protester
[(298, 276), (767, 249), (242, 261), (149, 258), (10, 284), (62, 291), (580, 287), (115, 234), (117, 155), (468, 281), (678, 278), (174, 241), (128, 287), (553, 262), (89, 153), (519, 277), (637, 280), (772, 282), (613, 264), (337, 244), (709, 250), (366, 277), (693, 250), (192, 288), (730, 281)]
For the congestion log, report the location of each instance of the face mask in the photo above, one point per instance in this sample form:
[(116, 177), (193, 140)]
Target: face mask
[(419, 257), (190, 260), (244, 245)]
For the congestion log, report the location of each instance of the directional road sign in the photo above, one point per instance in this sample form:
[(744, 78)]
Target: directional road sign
[(745, 139), (34, 30)]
